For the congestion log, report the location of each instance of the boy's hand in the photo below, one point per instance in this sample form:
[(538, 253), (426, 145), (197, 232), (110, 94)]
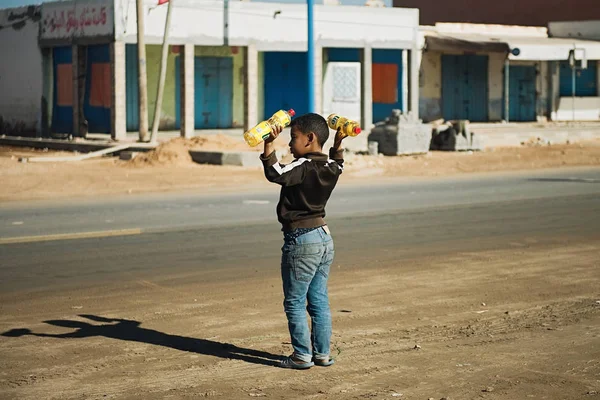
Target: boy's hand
[(269, 146), (339, 136), (274, 133)]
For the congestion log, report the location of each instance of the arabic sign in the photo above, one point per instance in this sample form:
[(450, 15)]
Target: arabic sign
[(65, 20)]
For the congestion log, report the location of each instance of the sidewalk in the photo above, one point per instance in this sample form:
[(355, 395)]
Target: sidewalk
[(514, 134), (493, 135), (172, 169)]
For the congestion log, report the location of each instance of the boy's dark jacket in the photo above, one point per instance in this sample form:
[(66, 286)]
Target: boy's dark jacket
[(306, 184)]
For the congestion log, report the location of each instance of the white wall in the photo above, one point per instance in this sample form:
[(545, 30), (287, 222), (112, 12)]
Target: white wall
[(270, 26), (20, 75), (575, 29), (495, 86), (191, 22), (430, 86), (589, 30)]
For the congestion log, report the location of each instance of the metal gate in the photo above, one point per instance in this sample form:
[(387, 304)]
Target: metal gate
[(386, 82), (465, 87), (521, 93), (586, 83), (213, 87), (131, 88), (98, 89), (62, 110), (285, 82)]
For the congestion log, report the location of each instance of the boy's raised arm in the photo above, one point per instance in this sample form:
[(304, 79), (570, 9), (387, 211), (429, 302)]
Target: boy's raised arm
[(285, 175), (336, 152)]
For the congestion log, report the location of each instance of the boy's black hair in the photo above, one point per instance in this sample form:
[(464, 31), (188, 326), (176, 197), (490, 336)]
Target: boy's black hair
[(312, 123)]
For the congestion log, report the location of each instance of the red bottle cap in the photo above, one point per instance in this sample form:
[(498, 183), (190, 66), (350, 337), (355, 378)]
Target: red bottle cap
[(357, 130), (291, 112)]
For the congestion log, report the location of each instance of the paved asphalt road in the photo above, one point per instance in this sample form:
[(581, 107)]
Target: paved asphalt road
[(214, 237)]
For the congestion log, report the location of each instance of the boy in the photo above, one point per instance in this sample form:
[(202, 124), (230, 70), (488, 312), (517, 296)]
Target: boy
[(307, 252)]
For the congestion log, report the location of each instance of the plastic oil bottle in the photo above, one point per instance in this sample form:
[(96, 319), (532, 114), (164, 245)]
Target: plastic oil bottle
[(348, 127), (260, 132)]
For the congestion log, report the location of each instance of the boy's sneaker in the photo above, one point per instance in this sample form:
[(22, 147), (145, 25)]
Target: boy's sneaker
[(323, 362), (290, 363)]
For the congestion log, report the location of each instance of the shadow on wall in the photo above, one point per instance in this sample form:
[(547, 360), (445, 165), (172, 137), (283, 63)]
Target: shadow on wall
[(16, 128), (430, 109)]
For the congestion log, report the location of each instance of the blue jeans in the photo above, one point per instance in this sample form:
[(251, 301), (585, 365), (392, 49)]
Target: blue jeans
[(305, 265)]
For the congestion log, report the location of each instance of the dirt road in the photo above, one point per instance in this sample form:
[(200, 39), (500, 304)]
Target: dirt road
[(504, 305), (503, 324), (173, 170)]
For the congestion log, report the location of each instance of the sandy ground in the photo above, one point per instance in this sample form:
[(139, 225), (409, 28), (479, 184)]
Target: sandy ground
[(171, 169), (497, 324), (521, 321)]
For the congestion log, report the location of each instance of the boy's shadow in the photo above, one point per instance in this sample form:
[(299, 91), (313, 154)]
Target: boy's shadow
[(124, 329)]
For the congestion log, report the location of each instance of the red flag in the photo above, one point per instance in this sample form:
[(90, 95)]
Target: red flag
[(162, 2)]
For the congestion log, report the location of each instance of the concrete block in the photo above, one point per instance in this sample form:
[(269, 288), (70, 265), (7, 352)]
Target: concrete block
[(401, 134), (402, 139), (455, 136), (413, 139), (354, 144), (243, 159), (128, 155), (239, 158), (207, 157)]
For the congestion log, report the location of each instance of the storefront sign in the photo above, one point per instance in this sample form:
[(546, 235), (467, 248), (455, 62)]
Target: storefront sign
[(79, 19)]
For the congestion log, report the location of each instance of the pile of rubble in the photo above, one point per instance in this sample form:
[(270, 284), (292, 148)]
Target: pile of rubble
[(404, 134), (454, 136)]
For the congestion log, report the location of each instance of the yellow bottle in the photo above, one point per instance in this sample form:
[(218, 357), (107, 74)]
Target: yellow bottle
[(349, 127), (260, 132)]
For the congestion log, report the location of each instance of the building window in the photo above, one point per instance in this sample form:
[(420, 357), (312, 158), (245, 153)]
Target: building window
[(346, 84)]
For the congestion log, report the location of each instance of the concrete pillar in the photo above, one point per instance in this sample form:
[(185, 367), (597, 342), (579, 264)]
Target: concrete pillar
[(251, 117), (81, 82), (47, 92), (405, 82), (318, 70), (188, 116), (555, 89), (367, 88), (414, 63), (118, 107), (75, 74), (549, 90), (542, 90)]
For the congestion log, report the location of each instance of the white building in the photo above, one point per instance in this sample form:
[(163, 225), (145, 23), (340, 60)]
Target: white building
[(80, 74), (586, 104), (496, 72)]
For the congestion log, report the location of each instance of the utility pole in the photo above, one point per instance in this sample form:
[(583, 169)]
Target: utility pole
[(226, 22), (142, 78), (311, 57), (163, 74), (507, 89)]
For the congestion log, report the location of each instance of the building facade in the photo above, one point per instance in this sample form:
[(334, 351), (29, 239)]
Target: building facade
[(21, 71), (227, 68), (490, 73)]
